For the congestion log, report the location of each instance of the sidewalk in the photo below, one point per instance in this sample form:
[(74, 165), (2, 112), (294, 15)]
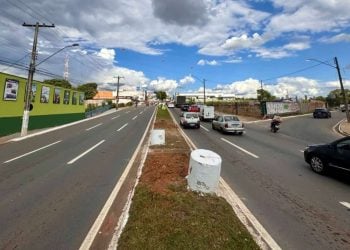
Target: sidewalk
[(344, 128)]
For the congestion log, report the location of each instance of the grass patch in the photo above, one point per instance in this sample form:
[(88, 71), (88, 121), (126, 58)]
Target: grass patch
[(182, 220), (163, 114)]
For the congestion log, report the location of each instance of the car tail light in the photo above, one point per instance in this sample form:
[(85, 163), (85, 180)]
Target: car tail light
[(226, 125)]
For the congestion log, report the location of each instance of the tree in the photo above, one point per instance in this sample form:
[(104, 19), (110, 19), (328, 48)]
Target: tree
[(89, 89), (161, 95), (335, 97), (264, 95), (59, 83)]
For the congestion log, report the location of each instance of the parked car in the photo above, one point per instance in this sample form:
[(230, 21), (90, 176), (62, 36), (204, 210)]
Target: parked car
[(193, 108), (336, 154), (322, 113), (189, 119), (228, 123), (184, 107)]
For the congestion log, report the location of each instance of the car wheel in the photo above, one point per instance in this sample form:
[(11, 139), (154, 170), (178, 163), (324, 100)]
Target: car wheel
[(315, 116), (240, 133), (212, 126), (317, 164), (221, 130)]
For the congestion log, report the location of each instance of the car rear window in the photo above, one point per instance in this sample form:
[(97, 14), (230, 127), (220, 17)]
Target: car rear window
[(231, 118), (191, 115)]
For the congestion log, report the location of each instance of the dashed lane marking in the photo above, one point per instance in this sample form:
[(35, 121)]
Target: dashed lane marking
[(205, 128), (134, 117), (115, 117), (122, 127), (93, 127), (87, 151), (31, 152), (240, 148), (345, 204)]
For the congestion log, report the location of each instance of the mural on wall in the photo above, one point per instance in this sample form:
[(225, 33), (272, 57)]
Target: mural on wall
[(66, 97), (11, 89), (74, 98), (56, 96), (45, 94), (32, 93), (282, 107), (81, 98)]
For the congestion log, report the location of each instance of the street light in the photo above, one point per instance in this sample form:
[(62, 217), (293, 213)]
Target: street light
[(25, 119), (340, 81)]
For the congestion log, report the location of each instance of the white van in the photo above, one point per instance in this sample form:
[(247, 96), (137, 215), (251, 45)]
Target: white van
[(206, 113)]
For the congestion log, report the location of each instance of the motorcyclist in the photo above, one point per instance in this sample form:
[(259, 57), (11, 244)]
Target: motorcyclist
[(276, 120)]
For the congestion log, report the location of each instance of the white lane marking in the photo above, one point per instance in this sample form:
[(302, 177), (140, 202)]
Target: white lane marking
[(115, 117), (301, 151), (101, 217), (87, 151), (93, 127), (134, 117), (141, 112), (205, 128), (31, 152), (127, 112), (240, 148), (346, 204), (122, 127), (259, 233)]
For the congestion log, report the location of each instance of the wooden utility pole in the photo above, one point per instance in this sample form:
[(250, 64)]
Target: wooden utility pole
[(117, 97)]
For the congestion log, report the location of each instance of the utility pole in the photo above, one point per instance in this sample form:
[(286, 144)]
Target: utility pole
[(261, 91), (342, 90), (204, 90), (117, 97), (66, 67), (25, 119)]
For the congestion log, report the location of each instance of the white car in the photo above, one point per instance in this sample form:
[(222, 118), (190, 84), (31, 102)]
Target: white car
[(189, 119), (171, 105)]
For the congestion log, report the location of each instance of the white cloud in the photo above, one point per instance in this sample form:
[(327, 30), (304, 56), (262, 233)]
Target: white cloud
[(343, 37), (297, 46), (107, 53), (206, 62), (163, 84), (187, 80), (243, 42)]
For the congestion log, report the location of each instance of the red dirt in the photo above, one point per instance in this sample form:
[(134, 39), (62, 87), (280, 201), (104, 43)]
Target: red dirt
[(166, 165)]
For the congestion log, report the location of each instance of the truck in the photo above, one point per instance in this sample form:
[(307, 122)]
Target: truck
[(206, 113), (180, 100)]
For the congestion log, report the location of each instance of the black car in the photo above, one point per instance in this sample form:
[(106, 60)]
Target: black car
[(322, 113), (324, 156), (185, 107)]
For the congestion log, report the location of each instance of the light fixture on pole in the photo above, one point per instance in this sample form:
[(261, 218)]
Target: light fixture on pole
[(340, 81), (32, 66)]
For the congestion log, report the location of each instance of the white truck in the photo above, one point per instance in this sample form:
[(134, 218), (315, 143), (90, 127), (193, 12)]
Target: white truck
[(206, 113)]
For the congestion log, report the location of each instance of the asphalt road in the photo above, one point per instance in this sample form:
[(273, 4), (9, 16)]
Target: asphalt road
[(53, 186), (300, 209)]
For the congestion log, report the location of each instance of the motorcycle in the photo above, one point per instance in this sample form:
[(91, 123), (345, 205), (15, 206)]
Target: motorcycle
[(275, 126)]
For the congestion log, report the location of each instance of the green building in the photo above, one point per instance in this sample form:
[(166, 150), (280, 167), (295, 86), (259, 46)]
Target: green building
[(51, 105)]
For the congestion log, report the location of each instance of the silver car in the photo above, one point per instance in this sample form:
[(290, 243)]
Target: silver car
[(228, 123)]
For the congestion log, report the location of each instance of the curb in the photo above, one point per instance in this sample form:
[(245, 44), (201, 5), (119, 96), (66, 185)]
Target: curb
[(341, 131)]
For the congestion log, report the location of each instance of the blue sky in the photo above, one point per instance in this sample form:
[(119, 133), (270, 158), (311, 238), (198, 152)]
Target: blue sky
[(173, 45)]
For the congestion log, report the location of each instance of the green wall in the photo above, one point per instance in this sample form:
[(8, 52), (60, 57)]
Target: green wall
[(50, 107)]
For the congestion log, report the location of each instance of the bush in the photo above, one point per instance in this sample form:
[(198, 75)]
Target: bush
[(129, 104), (121, 105)]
